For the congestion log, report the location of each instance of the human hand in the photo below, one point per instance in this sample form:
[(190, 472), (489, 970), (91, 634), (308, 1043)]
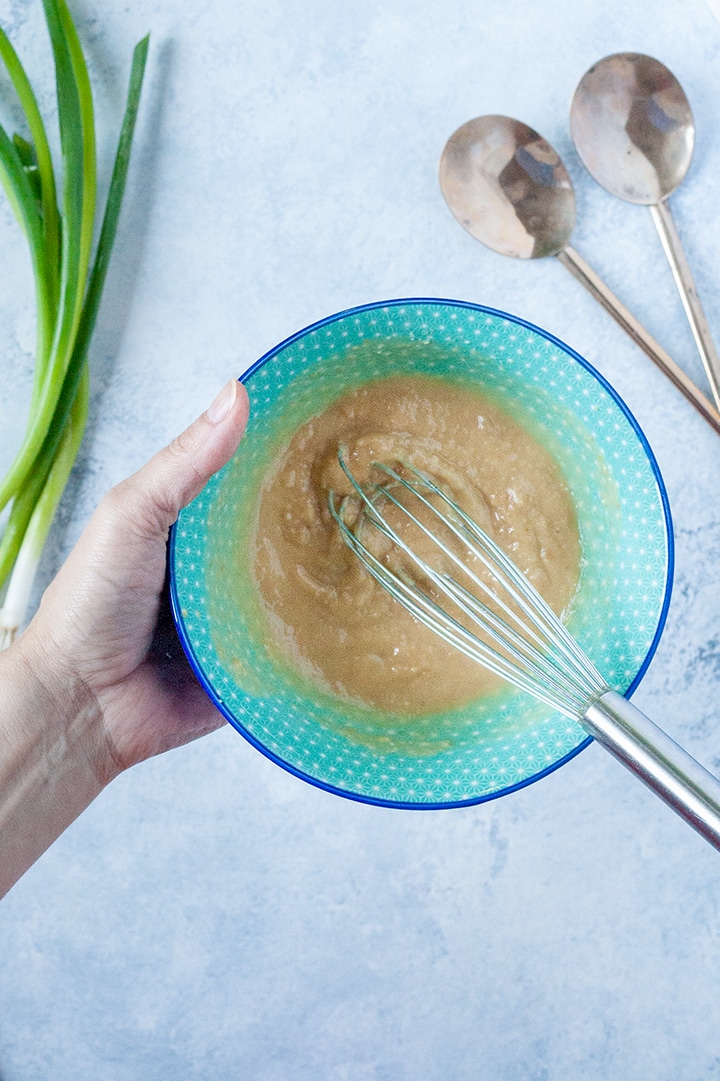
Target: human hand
[(94, 639)]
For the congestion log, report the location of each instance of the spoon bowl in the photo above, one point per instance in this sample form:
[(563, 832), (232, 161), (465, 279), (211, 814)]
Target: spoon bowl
[(508, 187), (633, 127)]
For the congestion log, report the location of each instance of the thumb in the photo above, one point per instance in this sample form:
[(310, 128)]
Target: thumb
[(102, 603), (177, 474)]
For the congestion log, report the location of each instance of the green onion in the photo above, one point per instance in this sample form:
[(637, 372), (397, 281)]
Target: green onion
[(68, 289)]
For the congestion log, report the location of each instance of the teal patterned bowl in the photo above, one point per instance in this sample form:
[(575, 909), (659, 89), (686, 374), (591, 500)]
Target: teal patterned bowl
[(501, 743)]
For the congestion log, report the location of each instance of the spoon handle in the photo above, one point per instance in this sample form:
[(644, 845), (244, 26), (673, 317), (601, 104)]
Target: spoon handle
[(598, 289), (686, 287)]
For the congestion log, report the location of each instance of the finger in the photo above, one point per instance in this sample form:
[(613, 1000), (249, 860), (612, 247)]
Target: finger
[(154, 496)]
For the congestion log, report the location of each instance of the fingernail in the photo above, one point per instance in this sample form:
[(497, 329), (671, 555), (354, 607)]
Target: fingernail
[(224, 402)]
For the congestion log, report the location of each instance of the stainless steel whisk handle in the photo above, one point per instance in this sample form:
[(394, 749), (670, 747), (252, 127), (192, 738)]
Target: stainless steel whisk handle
[(658, 761)]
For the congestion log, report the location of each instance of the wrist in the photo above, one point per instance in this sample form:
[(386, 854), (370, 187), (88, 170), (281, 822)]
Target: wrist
[(61, 694), (53, 762), (35, 664)]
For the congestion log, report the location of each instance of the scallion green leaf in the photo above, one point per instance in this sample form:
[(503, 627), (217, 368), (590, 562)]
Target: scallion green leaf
[(69, 282)]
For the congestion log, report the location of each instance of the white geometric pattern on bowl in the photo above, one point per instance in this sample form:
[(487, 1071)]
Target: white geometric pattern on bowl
[(489, 748)]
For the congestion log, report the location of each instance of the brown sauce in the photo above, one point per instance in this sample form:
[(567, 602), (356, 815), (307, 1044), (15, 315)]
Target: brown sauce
[(326, 617)]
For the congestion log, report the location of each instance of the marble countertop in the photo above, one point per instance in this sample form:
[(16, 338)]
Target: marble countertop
[(211, 917)]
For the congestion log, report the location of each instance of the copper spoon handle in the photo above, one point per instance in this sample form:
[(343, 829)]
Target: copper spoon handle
[(688, 294), (597, 288)]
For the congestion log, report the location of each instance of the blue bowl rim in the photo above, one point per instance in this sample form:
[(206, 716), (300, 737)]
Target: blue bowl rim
[(400, 804)]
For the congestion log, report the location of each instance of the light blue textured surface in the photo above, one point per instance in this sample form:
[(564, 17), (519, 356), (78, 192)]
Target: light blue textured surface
[(211, 917)]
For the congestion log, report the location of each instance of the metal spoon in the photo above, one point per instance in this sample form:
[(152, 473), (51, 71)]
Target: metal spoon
[(509, 188), (633, 129)]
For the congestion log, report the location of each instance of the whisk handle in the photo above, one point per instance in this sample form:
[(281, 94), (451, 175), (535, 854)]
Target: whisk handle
[(658, 761)]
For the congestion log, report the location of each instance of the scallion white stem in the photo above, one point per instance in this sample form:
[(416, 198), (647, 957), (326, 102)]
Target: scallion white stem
[(20, 583)]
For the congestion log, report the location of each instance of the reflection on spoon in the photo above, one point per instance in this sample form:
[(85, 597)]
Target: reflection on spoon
[(509, 188), (633, 128)]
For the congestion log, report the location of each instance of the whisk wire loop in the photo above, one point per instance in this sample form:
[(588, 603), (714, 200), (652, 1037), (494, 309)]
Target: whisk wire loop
[(552, 632), (533, 655), (433, 616), (453, 632)]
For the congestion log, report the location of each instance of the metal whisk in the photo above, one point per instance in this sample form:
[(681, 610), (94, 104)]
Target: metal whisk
[(493, 614)]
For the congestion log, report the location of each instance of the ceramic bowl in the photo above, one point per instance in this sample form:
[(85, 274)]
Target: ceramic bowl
[(497, 744)]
